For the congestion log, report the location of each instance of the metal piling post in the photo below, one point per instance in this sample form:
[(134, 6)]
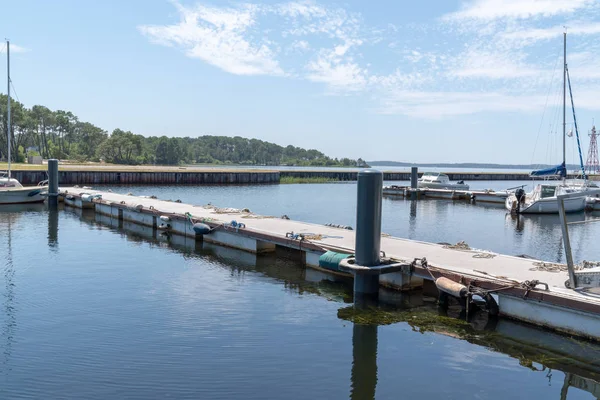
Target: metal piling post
[(414, 177), (53, 182), (368, 229)]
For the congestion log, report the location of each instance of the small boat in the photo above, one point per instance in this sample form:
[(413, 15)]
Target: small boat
[(436, 180), (542, 200), (11, 190)]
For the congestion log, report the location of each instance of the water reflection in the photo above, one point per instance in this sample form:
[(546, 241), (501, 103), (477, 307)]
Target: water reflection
[(9, 220), (10, 320), (412, 220), (53, 228), (533, 348), (546, 228), (364, 362)]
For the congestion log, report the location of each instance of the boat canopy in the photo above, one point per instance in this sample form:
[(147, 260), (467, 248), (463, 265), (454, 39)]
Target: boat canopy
[(560, 170)]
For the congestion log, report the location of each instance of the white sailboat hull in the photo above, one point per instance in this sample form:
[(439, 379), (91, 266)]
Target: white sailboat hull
[(22, 195), (548, 205)]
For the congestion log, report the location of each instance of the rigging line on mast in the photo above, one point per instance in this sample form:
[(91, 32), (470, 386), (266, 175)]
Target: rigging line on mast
[(575, 123), (14, 90), (545, 107), (553, 128)]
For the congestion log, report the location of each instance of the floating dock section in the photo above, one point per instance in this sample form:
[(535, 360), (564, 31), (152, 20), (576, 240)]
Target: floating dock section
[(169, 176), (482, 196), (525, 289)]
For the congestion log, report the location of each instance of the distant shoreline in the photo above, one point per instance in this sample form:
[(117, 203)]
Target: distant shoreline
[(466, 165)]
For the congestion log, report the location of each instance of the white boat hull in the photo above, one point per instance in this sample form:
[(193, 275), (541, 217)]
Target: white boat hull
[(548, 205), (22, 195), (448, 186)]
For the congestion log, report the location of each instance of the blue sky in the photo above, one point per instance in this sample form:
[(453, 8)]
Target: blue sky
[(428, 81)]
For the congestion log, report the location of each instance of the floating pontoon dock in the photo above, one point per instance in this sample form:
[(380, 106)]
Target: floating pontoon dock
[(479, 196), (518, 284)]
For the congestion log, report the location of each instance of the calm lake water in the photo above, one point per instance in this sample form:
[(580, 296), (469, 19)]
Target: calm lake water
[(96, 311)]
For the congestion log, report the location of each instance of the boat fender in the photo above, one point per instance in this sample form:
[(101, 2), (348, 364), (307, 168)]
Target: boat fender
[(450, 287), (201, 229), (491, 305), (165, 218)]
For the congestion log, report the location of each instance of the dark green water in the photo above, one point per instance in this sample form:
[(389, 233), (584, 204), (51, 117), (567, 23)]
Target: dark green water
[(92, 310)]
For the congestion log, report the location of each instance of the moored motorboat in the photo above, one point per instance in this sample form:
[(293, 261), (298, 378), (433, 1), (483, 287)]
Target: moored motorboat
[(12, 192), (436, 180)]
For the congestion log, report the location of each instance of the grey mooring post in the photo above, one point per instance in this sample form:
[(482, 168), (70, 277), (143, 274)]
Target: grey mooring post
[(53, 182), (368, 229), (414, 177)]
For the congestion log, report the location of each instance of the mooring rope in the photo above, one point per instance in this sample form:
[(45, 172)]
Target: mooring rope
[(463, 246), (555, 267)]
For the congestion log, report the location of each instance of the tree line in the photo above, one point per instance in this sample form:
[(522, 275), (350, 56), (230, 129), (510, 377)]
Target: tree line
[(60, 134)]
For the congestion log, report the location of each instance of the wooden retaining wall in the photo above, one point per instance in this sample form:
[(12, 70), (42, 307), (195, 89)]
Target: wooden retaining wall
[(207, 177), (150, 178)]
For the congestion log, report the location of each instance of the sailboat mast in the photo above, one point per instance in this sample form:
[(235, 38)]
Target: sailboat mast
[(8, 106), (565, 99)]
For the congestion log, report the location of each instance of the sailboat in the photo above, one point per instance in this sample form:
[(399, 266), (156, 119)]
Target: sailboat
[(11, 190), (543, 198)]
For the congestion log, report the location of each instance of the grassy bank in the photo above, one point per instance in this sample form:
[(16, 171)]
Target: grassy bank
[(315, 179)]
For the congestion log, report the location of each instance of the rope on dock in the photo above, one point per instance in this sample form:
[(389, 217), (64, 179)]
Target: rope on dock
[(555, 267), (256, 216), (463, 246)]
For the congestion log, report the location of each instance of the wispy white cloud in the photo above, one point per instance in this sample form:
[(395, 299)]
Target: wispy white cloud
[(337, 73), (492, 64), (584, 66), (488, 56), (218, 36), (433, 105), (300, 45), (493, 9), (14, 49), (530, 36)]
